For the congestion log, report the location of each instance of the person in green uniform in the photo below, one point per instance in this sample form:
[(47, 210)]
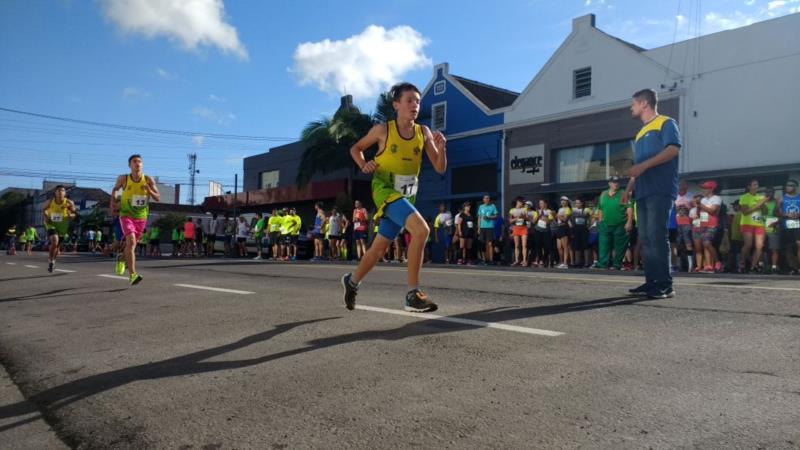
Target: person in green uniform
[(751, 204), (395, 182), (258, 235), (31, 236), (175, 237), (155, 241), (771, 229), (57, 213), (615, 220)]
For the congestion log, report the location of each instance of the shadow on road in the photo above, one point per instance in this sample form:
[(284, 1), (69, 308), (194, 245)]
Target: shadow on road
[(50, 275), (65, 394), (57, 293)]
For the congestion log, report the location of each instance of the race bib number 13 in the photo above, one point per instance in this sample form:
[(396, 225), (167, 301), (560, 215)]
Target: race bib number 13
[(139, 201)]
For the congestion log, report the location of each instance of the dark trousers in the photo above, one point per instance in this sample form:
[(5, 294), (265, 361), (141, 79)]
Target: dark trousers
[(653, 215)]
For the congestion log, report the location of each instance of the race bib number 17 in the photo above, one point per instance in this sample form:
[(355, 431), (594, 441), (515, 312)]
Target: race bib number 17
[(406, 185)]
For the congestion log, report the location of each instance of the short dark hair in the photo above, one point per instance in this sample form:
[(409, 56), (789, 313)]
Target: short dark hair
[(135, 155), (792, 180), (60, 186), (647, 95), (397, 90)]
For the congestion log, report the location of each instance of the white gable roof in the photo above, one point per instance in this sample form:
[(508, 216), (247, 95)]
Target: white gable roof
[(618, 70)]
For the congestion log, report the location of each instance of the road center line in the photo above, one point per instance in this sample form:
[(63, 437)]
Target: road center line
[(116, 277), (64, 270), (12, 264), (458, 320), (209, 288), (31, 266)]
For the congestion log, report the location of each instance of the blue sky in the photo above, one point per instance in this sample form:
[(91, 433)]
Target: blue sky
[(266, 68)]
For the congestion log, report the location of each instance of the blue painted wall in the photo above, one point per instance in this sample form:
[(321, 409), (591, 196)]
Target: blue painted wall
[(462, 115)]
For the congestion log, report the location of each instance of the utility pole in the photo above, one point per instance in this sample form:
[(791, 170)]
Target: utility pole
[(192, 171)]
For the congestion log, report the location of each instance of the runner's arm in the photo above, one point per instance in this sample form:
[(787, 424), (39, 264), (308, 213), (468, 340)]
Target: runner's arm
[(436, 149), (152, 189), (117, 186), (71, 208), (374, 136)]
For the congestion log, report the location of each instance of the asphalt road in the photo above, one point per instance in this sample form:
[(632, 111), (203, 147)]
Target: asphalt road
[(512, 359)]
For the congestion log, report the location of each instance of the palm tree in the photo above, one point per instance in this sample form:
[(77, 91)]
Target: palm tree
[(329, 139)]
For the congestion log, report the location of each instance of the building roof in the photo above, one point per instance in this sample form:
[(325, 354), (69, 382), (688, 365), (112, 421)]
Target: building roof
[(492, 97)]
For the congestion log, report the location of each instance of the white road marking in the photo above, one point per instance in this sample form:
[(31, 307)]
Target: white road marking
[(590, 279), (31, 266), (64, 270), (209, 288), (475, 323), (12, 264), (116, 277)]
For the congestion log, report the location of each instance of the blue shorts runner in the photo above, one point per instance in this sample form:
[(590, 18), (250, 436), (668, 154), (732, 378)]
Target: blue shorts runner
[(117, 229), (394, 218)]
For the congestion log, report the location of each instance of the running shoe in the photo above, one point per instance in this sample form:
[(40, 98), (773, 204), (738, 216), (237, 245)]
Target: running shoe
[(51, 266), (119, 267), (641, 290), (562, 266), (135, 279), (660, 294), (417, 301), (258, 258), (350, 291)]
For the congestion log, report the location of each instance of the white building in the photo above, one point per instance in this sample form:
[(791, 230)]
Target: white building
[(733, 94)]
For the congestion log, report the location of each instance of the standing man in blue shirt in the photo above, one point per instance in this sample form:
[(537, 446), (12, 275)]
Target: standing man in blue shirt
[(487, 213), (655, 177)]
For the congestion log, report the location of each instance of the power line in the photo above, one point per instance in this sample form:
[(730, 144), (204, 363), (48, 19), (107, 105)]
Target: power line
[(150, 130)]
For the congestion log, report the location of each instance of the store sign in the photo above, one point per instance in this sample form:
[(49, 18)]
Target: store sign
[(526, 164)]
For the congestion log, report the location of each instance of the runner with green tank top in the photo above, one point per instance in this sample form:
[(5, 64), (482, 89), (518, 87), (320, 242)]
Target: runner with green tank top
[(32, 236), (57, 213), (137, 191), (395, 183)]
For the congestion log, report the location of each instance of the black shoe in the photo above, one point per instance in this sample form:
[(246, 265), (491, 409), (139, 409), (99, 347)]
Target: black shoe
[(641, 290), (660, 294), (50, 267), (350, 291), (417, 301)]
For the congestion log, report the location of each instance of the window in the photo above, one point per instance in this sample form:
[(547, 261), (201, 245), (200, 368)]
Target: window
[(439, 87), (581, 164), (270, 179), (439, 116), (582, 82), (481, 178), (620, 158), (593, 162)]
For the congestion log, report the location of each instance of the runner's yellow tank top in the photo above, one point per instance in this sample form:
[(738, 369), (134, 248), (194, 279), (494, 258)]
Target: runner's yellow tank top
[(398, 167), (59, 216), (135, 199)]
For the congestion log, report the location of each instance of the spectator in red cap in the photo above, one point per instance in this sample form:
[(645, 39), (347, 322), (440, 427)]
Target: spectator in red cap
[(708, 210)]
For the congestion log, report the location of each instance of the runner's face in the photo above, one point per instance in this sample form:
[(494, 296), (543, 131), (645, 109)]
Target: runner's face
[(578, 204), (790, 188), (408, 106), (60, 194), (753, 187), (136, 165)]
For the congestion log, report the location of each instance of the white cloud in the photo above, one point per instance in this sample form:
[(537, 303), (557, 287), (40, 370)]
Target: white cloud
[(198, 140), (681, 20), (719, 22), (221, 118), (216, 98), (164, 75), (190, 23), (134, 94), (364, 64), (749, 2), (776, 4)]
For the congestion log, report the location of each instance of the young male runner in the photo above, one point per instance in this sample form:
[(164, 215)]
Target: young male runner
[(57, 213), (137, 190), (395, 182)]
